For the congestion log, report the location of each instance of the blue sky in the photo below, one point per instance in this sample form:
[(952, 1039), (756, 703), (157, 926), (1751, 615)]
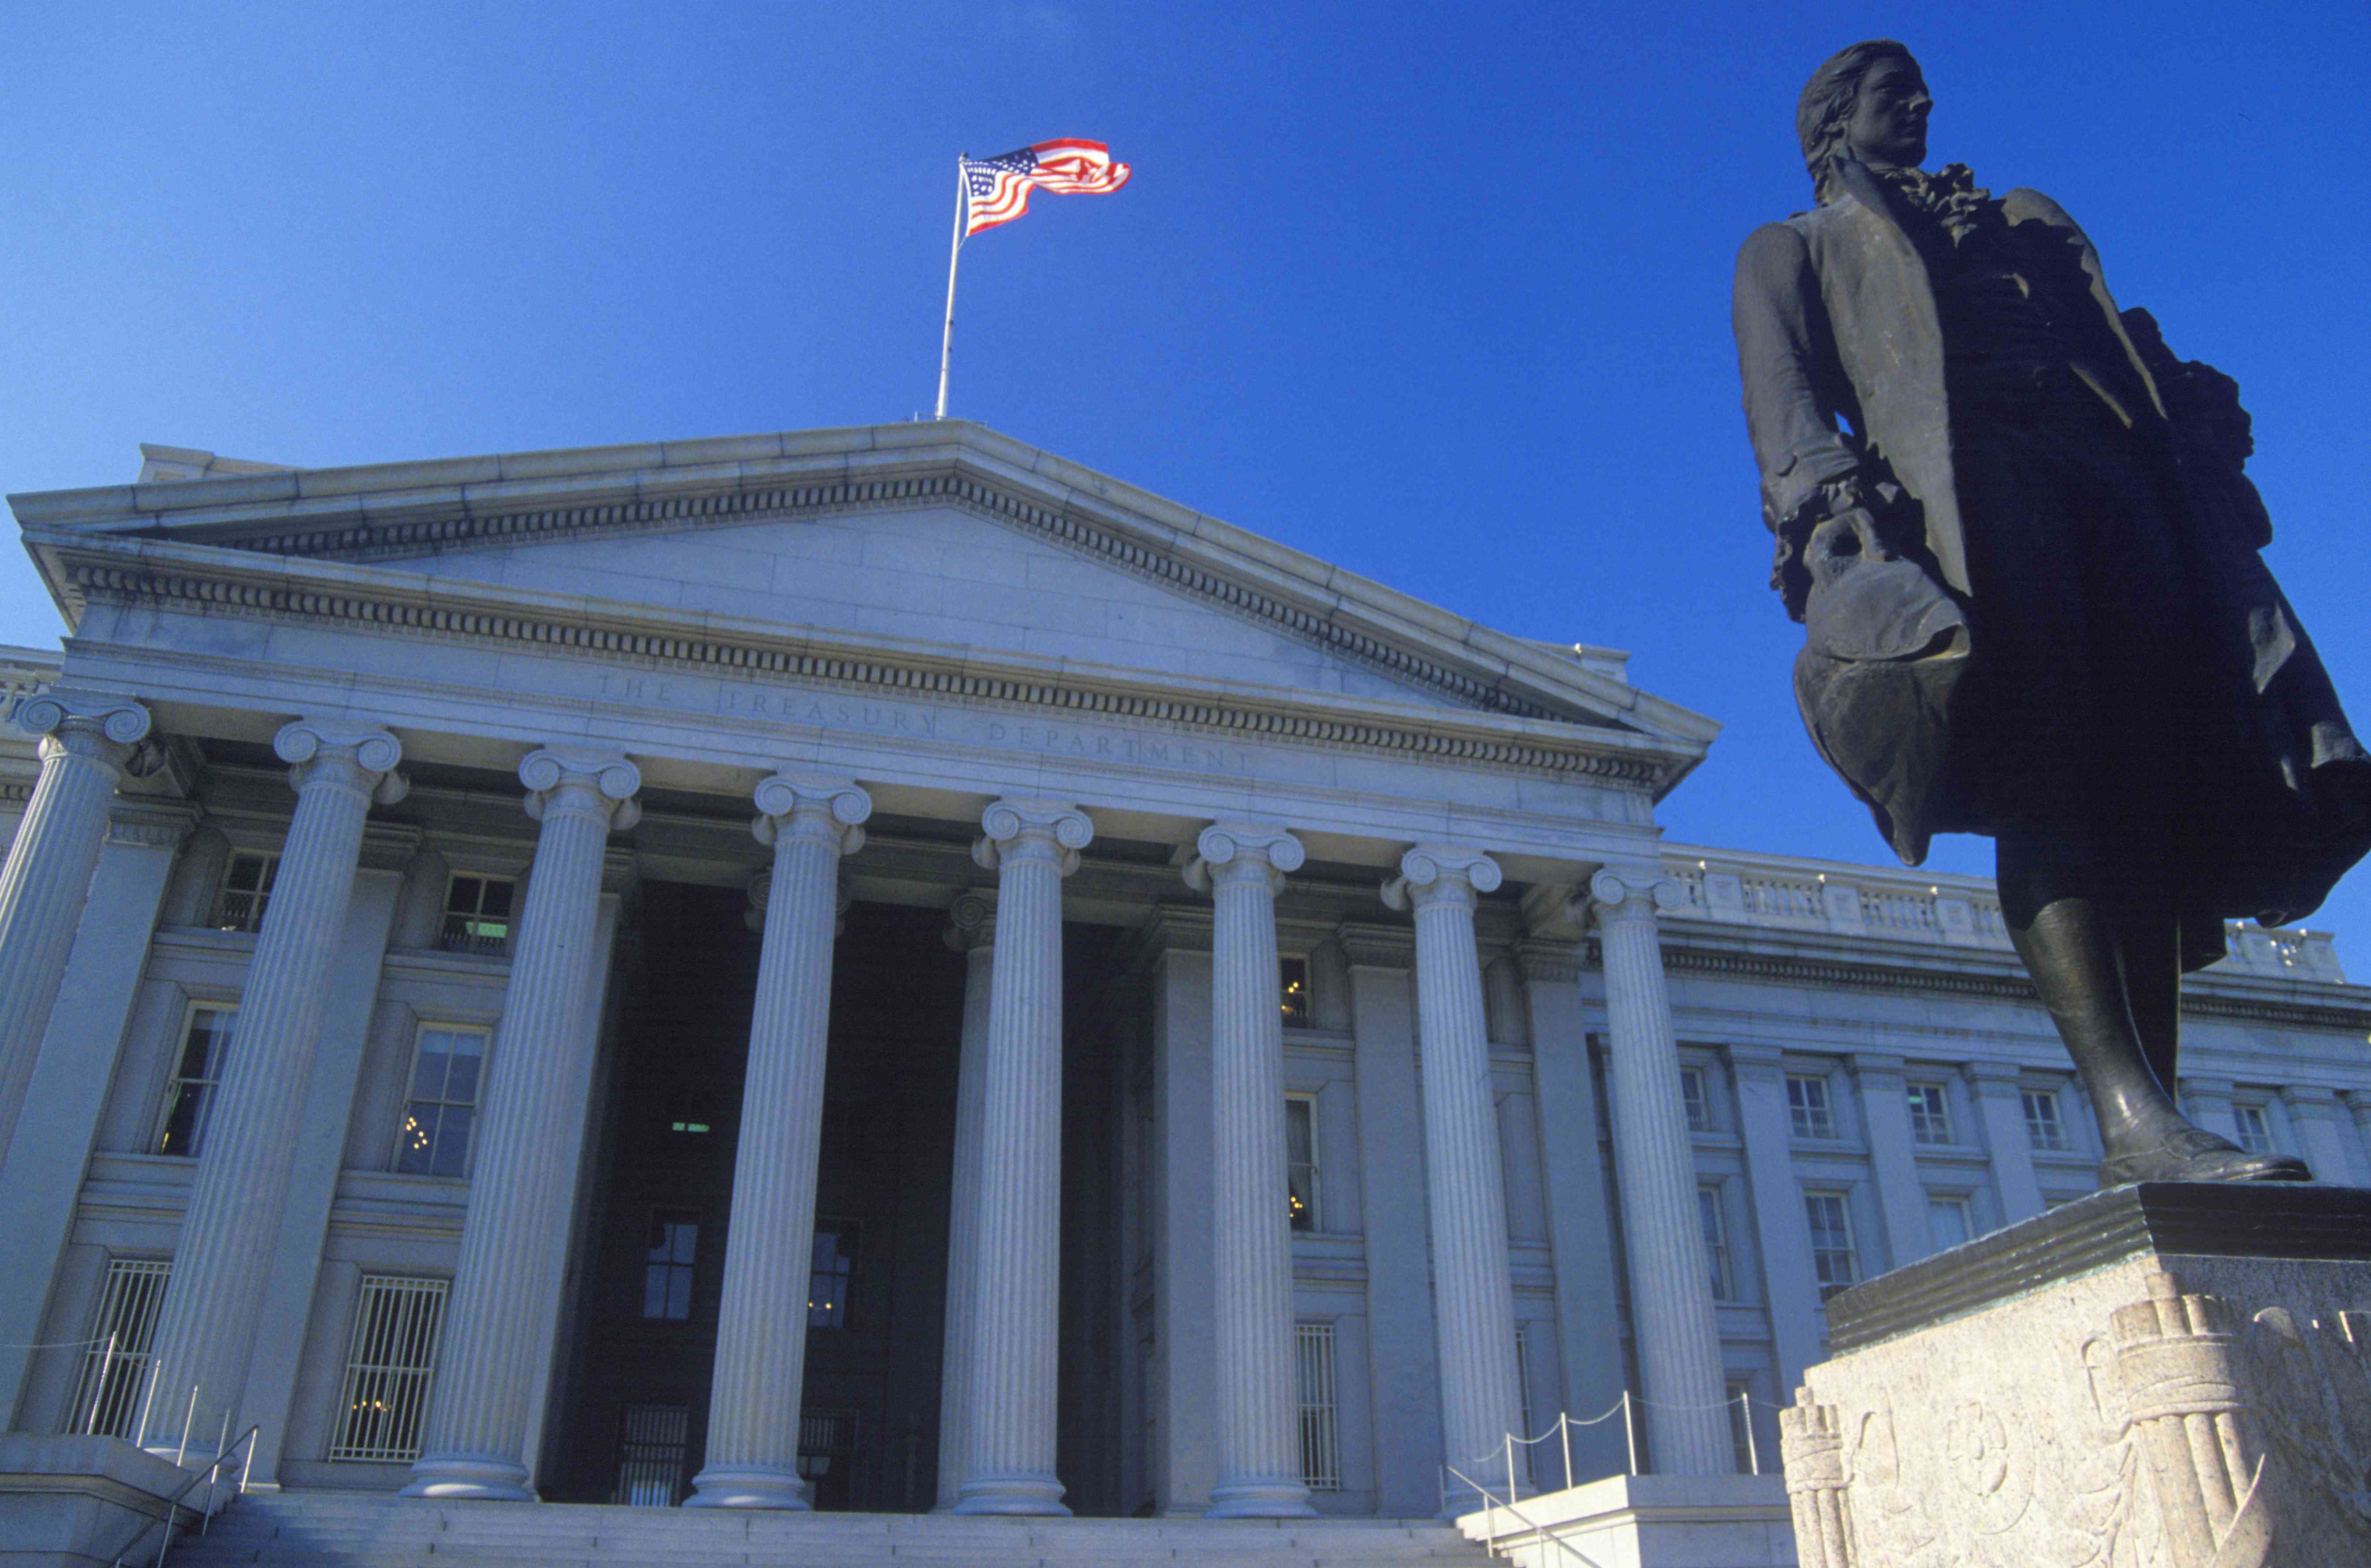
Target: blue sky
[(1437, 293)]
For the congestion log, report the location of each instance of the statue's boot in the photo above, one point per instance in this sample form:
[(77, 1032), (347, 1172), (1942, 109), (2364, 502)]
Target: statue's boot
[(2070, 953)]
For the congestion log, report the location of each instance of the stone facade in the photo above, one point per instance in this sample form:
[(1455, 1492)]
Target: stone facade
[(474, 1115)]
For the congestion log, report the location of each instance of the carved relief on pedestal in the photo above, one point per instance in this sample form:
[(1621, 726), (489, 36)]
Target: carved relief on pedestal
[(2184, 1434)]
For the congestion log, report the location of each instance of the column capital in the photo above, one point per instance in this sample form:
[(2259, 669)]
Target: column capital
[(1994, 1078), (605, 781), (971, 920), (811, 803), (344, 752), (1370, 945), (1543, 960), (1052, 830), (151, 825), (1762, 1064), (2358, 1101), (1625, 894), (1881, 1065), (2202, 1089), (2310, 1096), (92, 723), (1233, 851), (1433, 873)]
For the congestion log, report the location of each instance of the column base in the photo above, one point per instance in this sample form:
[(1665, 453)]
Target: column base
[(1011, 1494), (1259, 1499), (469, 1477), (748, 1486)]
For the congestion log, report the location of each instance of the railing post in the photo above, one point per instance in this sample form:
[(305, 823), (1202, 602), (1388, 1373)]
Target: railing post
[(1630, 1431), (188, 1416), (1753, 1450), (98, 1384), (1564, 1432), (1510, 1466), (139, 1433)]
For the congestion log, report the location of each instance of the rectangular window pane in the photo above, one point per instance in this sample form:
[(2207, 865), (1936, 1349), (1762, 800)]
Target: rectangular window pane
[(1321, 1443), (1300, 1160), (1947, 1218), (388, 1368), (435, 1137), (1715, 1235), (246, 889), (1691, 1095), (2255, 1132), (1293, 979), (115, 1367), (205, 1041), (1930, 1113), (2041, 1122), (651, 1439), (832, 1275), (1831, 1242), (828, 1455), (477, 914), (1807, 1105), (674, 1247)]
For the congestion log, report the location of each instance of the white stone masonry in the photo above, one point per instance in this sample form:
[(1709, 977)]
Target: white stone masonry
[(1032, 846), (205, 1330), (1241, 866), (1670, 1295), (1474, 1299), (971, 931), (514, 1243), (761, 1333), (86, 738)]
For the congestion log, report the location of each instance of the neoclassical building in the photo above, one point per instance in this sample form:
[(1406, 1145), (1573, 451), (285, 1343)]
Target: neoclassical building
[(882, 969)]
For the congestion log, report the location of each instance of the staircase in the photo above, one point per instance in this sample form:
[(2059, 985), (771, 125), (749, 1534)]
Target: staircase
[(349, 1530)]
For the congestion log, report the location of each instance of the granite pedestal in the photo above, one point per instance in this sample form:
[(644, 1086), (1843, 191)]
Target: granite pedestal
[(2161, 1376)]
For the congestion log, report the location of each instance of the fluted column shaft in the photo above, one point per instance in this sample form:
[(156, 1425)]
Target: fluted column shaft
[(86, 740), (1671, 1312), (1016, 1272), (1241, 866), (972, 933), (761, 1330), (514, 1242), (1474, 1298), (205, 1330)]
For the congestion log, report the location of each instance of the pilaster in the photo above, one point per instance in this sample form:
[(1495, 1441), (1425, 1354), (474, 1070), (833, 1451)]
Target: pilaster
[(2314, 1113), (1790, 1288), (1893, 1154), (2001, 1111), (2210, 1104)]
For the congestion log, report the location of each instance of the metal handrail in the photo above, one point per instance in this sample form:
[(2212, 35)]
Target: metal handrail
[(1490, 1535), (173, 1505)]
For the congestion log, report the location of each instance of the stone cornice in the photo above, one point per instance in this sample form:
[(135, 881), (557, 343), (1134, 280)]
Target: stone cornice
[(213, 581)]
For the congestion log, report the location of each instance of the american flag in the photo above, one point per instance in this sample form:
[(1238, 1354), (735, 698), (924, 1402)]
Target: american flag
[(996, 190)]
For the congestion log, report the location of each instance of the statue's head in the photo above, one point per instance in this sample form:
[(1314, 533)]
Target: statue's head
[(1869, 100)]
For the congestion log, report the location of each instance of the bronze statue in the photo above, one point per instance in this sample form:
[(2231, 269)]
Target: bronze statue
[(2017, 534)]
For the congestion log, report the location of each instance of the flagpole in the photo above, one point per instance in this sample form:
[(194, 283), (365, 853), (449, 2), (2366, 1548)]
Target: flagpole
[(954, 250)]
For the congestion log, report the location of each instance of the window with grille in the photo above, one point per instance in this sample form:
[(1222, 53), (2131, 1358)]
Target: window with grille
[(246, 889), (2041, 1122), (1930, 1113), (833, 1273), (2255, 1130), (206, 1042), (447, 1066), (1693, 1096), (1808, 1107), (1947, 1221), (668, 1264), (1300, 1159), (115, 1367), (650, 1443), (389, 1367), (1292, 980), (1715, 1238), (828, 1455), (1833, 1259), (477, 914), (1320, 1433)]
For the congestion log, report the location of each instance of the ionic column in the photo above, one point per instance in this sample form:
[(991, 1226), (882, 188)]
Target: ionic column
[(1241, 866), (86, 738), (205, 1330), (971, 931), (1016, 1273), (1671, 1307), (761, 1328), (1474, 1298), (514, 1240)]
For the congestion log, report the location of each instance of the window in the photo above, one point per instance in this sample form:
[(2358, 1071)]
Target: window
[(206, 1039), (2255, 1132), (1930, 1113), (668, 1265), (477, 914), (1808, 1107), (115, 1367), (828, 1455), (832, 1273), (1947, 1223), (1300, 1159), (246, 889), (2041, 1122), (1715, 1238), (1523, 1375), (651, 1441), (1321, 1435), (388, 1368), (1740, 1427), (1831, 1242), (1691, 1095), (447, 1069), (1293, 981)]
